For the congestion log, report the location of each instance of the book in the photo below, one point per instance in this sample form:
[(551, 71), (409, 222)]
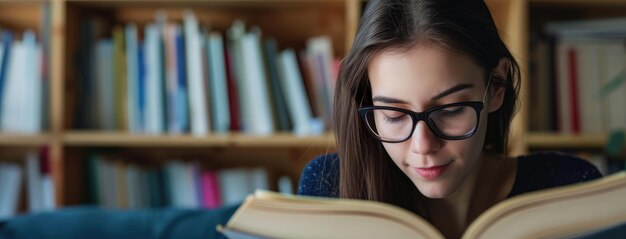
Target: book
[(261, 121), (154, 92), (197, 90), (567, 211), (218, 83), (10, 186), (295, 93), (132, 78)]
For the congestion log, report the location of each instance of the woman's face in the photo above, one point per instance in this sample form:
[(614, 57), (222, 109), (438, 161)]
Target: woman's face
[(421, 78)]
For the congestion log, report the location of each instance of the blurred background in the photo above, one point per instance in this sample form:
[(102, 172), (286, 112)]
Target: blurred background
[(195, 104)]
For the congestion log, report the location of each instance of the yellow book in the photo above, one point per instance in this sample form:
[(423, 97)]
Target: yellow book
[(573, 210)]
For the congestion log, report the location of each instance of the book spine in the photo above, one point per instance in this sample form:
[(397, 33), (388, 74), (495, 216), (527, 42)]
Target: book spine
[(182, 106), (573, 87), (218, 86), (293, 88), (197, 90), (233, 91), (132, 78), (154, 107)]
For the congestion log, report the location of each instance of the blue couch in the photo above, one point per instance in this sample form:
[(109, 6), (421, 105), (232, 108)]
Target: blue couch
[(95, 223)]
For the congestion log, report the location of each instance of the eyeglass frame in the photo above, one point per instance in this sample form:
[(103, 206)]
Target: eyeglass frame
[(478, 106)]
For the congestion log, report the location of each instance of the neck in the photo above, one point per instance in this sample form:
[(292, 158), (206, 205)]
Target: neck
[(453, 214), (450, 214)]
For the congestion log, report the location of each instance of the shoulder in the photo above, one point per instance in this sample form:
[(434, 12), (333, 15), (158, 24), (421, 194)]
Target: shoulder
[(546, 170), (320, 177)]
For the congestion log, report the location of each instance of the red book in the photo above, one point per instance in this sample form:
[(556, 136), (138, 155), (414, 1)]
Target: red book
[(573, 83), (211, 197), (233, 96)]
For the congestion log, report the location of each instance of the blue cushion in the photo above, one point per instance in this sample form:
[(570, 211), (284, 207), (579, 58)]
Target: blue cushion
[(93, 222)]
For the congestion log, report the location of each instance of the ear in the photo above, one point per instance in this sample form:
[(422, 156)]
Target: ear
[(496, 93)]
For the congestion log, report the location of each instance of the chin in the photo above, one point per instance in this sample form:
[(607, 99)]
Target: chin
[(434, 195), (434, 191)]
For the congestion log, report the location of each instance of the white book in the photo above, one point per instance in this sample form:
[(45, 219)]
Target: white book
[(132, 78), (32, 85), (588, 86), (33, 182), (615, 27), (189, 185), (258, 98), (293, 88), (154, 87), (563, 88), (258, 179), (285, 186), (219, 90), (47, 185), (233, 185), (615, 61), (235, 35), (14, 97), (105, 82), (11, 175), (197, 89)]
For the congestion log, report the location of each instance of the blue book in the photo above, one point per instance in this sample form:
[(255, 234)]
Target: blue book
[(218, 86), (182, 108), (7, 40), (132, 76), (141, 87)]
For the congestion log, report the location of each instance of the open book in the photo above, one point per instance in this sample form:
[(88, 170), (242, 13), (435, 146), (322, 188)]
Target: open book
[(569, 211)]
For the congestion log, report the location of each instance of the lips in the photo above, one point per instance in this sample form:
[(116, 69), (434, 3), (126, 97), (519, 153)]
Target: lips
[(431, 172)]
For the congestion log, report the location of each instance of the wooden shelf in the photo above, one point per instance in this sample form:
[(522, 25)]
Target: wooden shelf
[(11, 139), (582, 2), (121, 139), (552, 140)]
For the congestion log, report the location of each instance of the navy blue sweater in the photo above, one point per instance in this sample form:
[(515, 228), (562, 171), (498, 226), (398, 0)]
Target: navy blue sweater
[(534, 172)]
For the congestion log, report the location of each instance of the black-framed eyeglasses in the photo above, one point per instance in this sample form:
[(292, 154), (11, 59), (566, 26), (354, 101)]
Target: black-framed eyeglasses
[(454, 121)]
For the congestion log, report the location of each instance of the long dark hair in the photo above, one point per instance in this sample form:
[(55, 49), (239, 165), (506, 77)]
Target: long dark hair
[(464, 26)]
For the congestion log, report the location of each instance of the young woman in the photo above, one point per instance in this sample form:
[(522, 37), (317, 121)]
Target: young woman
[(423, 105)]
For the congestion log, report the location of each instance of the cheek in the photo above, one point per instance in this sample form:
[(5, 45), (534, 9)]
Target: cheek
[(397, 151), (472, 148)]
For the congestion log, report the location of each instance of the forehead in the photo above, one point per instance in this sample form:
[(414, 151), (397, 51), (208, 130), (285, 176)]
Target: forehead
[(422, 70)]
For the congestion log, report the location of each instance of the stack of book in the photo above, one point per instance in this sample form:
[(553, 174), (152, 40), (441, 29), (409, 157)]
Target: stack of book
[(23, 84), (32, 174), (577, 77), (171, 78), (182, 184)]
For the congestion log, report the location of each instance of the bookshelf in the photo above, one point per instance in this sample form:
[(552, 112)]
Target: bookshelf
[(541, 13), (236, 140), (21, 140), (291, 22), (563, 141)]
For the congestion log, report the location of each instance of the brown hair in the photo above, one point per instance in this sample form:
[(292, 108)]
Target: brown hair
[(464, 26)]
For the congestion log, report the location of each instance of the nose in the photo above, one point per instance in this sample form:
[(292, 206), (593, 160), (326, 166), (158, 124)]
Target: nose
[(423, 140)]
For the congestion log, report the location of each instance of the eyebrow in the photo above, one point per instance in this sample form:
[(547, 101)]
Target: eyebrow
[(456, 88), (389, 100)]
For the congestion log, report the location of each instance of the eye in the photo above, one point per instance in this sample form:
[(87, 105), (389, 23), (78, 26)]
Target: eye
[(394, 117), (452, 111)]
